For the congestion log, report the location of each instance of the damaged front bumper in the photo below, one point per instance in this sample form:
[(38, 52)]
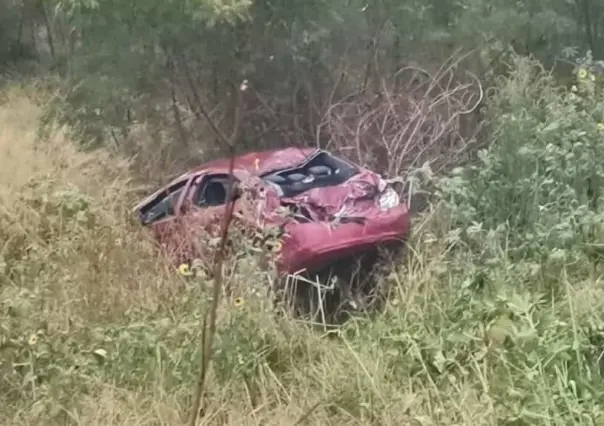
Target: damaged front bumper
[(313, 245)]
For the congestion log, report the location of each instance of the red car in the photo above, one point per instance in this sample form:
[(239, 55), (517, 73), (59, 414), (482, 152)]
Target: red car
[(328, 209)]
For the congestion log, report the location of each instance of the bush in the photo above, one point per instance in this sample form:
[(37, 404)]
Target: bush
[(534, 194)]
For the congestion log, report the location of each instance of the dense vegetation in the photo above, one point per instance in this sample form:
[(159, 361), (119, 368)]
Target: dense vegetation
[(494, 108)]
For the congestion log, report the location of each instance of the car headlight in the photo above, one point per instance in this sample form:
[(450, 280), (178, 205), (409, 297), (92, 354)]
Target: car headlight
[(388, 199)]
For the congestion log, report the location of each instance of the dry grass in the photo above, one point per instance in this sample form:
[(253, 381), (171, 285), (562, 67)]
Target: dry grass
[(61, 204), (96, 330)]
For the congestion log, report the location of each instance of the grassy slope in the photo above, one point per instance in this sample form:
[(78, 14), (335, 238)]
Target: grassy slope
[(94, 331)]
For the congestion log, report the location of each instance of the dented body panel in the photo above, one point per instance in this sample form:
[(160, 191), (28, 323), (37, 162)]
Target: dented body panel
[(326, 207)]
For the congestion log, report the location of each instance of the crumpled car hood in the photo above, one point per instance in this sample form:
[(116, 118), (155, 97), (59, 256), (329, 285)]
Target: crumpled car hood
[(355, 196)]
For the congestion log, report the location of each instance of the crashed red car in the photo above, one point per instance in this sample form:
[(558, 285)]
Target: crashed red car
[(328, 208)]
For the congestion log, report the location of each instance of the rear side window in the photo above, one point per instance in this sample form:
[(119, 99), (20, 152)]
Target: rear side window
[(214, 190), (320, 170), (162, 206)]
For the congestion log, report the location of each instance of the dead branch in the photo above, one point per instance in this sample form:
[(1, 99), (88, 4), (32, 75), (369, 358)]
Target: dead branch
[(209, 320), (429, 119)]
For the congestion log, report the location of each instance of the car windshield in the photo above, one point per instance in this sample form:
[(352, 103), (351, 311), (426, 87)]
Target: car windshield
[(319, 170)]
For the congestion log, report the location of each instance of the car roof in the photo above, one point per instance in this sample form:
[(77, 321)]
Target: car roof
[(260, 162), (256, 163)]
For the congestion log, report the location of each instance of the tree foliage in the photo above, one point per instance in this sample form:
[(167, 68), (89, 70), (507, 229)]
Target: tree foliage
[(120, 57), (156, 63)]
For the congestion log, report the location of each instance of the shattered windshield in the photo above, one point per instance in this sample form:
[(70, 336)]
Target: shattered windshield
[(320, 170)]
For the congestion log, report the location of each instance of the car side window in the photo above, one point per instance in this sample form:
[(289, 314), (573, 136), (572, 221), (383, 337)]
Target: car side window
[(213, 190), (163, 205)]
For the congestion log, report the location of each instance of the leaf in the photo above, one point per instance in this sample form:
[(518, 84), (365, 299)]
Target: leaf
[(500, 330), (29, 377), (440, 361), (551, 127), (100, 355)]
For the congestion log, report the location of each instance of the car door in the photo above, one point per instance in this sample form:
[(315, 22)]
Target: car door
[(203, 212), (163, 216)]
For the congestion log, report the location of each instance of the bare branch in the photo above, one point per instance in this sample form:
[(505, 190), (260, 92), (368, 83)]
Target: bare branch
[(209, 320), (428, 118)]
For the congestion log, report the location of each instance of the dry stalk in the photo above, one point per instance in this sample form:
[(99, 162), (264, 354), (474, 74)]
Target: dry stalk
[(209, 319)]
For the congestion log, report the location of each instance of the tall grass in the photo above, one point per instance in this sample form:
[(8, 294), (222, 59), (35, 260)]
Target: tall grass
[(95, 329)]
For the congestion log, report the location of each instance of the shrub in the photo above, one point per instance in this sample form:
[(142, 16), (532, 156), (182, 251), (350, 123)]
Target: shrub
[(534, 192)]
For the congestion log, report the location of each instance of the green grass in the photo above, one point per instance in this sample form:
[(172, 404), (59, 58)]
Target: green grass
[(95, 330)]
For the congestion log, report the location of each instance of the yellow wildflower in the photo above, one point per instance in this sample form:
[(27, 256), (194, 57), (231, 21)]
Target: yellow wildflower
[(185, 270), (33, 339), (600, 126), (239, 302), (277, 247), (582, 74), (573, 88)]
